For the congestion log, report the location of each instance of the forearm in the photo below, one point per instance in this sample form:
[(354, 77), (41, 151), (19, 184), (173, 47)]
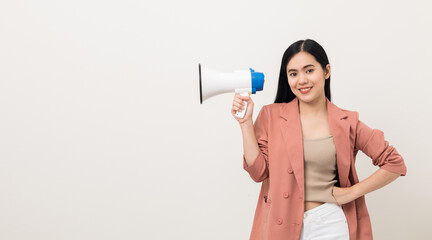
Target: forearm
[(250, 145), (377, 180)]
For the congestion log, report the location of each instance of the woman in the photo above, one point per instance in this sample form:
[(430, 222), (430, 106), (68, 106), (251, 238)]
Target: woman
[(303, 148)]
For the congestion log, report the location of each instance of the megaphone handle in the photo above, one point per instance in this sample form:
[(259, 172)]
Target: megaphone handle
[(241, 114)]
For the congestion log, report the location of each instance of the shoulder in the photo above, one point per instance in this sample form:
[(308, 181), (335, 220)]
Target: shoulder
[(274, 106), (270, 112), (273, 109), (353, 116), (351, 113)]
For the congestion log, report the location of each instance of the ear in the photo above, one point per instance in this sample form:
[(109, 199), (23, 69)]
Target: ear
[(328, 71)]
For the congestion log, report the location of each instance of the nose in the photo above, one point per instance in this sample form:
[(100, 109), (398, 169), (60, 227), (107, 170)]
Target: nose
[(302, 79)]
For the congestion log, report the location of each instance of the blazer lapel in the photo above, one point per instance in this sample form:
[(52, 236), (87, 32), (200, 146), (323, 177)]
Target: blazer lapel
[(340, 129), (293, 137)]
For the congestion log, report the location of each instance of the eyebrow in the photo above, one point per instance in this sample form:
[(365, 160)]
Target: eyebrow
[(309, 65)]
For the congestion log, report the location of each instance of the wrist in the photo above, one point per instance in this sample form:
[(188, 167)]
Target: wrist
[(246, 124), (354, 191)]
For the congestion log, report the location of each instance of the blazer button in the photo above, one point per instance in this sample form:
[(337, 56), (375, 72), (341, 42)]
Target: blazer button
[(286, 195), (279, 221), (290, 170)]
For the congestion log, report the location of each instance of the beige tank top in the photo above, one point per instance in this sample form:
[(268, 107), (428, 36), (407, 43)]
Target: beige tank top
[(320, 169)]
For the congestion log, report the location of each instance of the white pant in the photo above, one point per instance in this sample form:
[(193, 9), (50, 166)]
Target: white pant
[(326, 222)]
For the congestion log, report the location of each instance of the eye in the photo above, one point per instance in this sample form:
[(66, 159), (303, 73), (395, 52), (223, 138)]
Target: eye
[(310, 69), (292, 75)]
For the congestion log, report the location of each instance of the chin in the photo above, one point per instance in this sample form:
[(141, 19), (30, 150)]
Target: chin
[(307, 99)]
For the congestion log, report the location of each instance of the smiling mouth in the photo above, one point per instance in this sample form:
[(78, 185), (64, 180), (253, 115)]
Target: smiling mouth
[(305, 90)]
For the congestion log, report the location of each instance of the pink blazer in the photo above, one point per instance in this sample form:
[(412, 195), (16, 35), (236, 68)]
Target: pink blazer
[(279, 166)]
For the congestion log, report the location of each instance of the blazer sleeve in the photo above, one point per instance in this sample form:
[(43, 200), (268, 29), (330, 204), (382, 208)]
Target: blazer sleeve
[(258, 171), (372, 142)]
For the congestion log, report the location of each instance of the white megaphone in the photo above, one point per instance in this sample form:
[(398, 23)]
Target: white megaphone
[(245, 82)]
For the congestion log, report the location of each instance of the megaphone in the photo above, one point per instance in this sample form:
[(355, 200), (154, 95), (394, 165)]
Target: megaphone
[(245, 82)]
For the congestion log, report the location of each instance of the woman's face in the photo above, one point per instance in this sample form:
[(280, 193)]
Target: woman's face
[(303, 72)]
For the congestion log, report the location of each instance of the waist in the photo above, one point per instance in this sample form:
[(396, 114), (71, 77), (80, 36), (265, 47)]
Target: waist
[(308, 205)]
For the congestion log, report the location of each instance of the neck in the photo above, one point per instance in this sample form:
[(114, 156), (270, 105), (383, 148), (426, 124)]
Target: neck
[(314, 108)]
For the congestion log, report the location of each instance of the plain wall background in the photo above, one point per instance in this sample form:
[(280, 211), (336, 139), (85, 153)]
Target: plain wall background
[(102, 135)]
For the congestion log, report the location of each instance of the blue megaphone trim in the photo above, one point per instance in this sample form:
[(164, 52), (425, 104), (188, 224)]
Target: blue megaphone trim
[(257, 79)]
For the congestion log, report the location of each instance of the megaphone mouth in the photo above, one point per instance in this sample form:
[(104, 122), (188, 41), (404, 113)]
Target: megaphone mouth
[(199, 67)]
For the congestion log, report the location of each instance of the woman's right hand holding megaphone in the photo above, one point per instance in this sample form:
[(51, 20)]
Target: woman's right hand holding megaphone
[(238, 105)]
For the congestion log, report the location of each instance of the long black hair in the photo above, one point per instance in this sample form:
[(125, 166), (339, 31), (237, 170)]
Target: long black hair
[(284, 93)]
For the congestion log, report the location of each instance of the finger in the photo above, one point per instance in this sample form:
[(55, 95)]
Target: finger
[(235, 108), (238, 104), (238, 100), (235, 115), (240, 97)]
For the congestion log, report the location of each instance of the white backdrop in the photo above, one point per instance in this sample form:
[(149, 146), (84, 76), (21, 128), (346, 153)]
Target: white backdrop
[(102, 135)]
